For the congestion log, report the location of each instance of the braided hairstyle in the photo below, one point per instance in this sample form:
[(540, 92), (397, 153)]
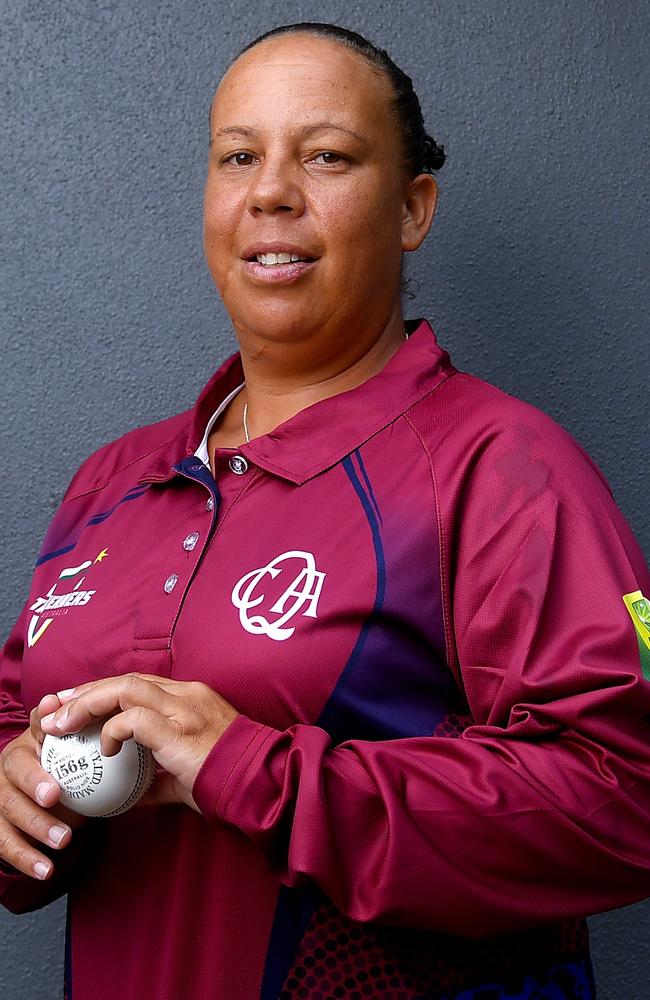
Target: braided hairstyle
[(422, 154)]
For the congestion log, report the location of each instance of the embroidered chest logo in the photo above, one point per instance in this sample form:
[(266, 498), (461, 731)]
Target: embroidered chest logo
[(54, 604), (299, 597)]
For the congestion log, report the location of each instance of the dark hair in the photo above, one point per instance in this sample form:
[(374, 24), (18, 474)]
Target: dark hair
[(422, 154)]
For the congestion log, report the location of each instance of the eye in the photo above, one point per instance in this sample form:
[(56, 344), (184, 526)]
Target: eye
[(330, 158), (240, 159)]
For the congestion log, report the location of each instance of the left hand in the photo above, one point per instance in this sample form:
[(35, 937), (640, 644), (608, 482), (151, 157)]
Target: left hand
[(180, 721)]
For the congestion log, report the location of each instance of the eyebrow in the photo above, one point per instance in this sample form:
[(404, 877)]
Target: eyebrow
[(304, 132)]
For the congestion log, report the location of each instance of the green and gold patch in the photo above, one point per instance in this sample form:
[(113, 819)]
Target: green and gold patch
[(638, 607)]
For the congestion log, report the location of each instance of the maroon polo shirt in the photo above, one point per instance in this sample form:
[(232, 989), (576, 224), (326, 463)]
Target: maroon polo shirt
[(429, 611)]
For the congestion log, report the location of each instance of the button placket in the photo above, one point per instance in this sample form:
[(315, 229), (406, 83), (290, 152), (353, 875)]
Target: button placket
[(182, 534)]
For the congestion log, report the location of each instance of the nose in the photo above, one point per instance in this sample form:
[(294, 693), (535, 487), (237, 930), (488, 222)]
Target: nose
[(276, 189)]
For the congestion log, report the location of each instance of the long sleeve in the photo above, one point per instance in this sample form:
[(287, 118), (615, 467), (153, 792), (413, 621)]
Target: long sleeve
[(540, 809), (13, 717), (18, 892)]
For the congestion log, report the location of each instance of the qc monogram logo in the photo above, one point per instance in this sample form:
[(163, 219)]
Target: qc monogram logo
[(301, 593)]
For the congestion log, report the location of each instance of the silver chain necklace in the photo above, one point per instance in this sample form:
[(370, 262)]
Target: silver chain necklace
[(245, 413)]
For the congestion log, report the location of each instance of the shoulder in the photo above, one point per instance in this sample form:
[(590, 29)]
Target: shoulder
[(484, 439), (137, 447)]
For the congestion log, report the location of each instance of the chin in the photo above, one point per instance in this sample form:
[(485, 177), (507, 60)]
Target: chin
[(277, 322)]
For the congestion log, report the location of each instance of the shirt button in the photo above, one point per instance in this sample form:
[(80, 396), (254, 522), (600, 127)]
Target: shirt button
[(190, 541), (210, 504), (170, 583), (238, 464)]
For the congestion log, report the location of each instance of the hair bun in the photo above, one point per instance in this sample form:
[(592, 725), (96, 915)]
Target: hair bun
[(434, 155)]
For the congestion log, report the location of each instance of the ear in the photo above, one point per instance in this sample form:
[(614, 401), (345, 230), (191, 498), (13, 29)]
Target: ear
[(420, 199)]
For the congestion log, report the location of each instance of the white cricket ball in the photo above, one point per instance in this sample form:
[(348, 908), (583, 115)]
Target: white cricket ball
[(92, 784)]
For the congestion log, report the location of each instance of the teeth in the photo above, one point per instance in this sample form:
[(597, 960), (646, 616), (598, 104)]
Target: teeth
[(271, 259)]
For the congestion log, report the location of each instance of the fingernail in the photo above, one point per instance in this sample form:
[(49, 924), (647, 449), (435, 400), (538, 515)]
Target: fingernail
[(56, 834), (65, 694), (42, 788), (41, 869), (47, 719), (60, 722)]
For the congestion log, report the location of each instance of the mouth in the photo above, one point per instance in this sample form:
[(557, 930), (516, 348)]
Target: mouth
[(276, 263), (280, 259)]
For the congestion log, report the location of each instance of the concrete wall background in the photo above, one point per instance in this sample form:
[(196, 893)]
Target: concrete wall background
[(532, 275)]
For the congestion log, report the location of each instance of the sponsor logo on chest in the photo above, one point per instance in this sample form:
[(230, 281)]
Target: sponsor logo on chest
[(53, 605)]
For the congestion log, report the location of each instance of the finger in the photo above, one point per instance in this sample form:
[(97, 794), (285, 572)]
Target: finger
[(19, 811), (106, 697), (146, 726), (16, 851), (23, 770), (70, 818), (177, 744), (50, 703), (69, 693), (166, 683)]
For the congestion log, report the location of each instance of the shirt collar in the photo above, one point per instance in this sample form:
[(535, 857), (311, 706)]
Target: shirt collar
[(325, 432), (202, 450)]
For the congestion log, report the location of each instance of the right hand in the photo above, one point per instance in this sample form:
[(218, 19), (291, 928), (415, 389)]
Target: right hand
[(29, 812)]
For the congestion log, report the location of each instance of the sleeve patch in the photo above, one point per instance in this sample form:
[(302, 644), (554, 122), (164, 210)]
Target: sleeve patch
[(639, 609)]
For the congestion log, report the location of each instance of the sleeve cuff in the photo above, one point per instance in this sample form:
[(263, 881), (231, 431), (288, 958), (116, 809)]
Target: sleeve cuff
[(226, 764)]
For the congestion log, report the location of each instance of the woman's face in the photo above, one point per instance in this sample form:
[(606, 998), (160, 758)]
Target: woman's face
[(305, 160)]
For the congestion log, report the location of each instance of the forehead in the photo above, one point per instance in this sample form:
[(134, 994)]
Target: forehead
[(304, 76)]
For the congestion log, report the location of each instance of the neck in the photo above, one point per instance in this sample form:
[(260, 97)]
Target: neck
[(284, 378)]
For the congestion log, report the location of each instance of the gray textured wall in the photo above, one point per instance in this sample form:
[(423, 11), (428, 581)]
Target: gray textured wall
[(532, 274)]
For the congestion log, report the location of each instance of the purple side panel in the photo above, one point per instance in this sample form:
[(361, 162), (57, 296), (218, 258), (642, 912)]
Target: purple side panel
[(404, 634)]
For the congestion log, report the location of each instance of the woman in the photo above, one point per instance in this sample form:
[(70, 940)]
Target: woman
[(380, 623)]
